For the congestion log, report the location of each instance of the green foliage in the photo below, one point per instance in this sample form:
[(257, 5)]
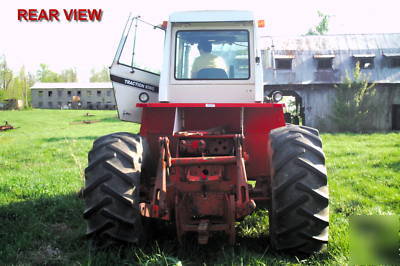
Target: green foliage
[(15, 86), (6, 74), (2, 94), (354, 105), (100, 76), (322, 27), (69, 75), (44, 74)]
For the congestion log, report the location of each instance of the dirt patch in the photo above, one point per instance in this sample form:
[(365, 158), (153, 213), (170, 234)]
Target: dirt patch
[(87, 114), (85, 122), (60, 229), (47, 254)]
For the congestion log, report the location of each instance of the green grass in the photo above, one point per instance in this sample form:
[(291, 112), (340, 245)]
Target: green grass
[(41, 172)]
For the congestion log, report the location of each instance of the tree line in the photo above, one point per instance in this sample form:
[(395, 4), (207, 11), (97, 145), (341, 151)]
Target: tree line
[(17, 84)]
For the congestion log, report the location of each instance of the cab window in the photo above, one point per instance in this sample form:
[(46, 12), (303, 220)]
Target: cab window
[(212, 54), (143, 48)]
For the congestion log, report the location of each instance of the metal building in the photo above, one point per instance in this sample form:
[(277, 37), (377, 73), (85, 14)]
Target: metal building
[(308, 67), (60, 95)]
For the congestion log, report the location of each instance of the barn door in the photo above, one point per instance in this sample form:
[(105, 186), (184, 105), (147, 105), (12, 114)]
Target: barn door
[(135, 72), (396, 116)]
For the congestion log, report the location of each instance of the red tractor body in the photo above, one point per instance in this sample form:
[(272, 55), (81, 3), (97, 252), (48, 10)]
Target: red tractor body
[(204, 165)]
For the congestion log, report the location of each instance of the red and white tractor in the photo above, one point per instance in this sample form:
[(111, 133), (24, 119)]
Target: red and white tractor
[(211, 147)]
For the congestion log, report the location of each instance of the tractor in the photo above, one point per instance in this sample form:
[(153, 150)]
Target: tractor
[(211, 148)]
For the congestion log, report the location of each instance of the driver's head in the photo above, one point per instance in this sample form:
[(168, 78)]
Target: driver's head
[(205, 46)]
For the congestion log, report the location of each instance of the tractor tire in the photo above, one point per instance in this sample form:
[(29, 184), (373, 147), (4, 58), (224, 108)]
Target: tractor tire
[(299, 210), (111, 193)]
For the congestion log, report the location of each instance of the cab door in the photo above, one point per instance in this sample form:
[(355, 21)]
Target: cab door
[(135, 71)]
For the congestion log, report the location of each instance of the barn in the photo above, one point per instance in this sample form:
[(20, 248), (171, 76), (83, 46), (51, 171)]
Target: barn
[(308, 68), (65, 95)]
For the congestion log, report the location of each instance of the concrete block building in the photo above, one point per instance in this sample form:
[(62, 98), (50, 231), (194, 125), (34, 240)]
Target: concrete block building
[(60, 95), (309, 67)]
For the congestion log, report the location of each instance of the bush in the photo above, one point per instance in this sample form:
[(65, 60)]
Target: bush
[(355, 103)]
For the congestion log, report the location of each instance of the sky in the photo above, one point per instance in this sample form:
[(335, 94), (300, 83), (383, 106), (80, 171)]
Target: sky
[(87, 45)]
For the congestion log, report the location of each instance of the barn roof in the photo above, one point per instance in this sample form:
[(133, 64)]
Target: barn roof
[(72, 85), (340, 42), (344, 50)]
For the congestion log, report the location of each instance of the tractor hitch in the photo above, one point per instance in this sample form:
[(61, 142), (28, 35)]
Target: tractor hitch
[(205, 184)]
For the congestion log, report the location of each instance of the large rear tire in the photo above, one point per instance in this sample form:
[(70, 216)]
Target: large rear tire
[(112, 184), (299, 212)]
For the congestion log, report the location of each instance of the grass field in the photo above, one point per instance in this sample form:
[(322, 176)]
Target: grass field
[(41, 172)]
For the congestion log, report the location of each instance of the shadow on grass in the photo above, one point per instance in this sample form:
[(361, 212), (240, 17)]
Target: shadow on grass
[(56, 139), (95, 120), (165, 250), (50, 230), (395, 166), (110, 119), (44, 230)]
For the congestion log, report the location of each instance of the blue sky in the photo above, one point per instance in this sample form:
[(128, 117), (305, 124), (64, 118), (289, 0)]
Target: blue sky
[(85, 45)]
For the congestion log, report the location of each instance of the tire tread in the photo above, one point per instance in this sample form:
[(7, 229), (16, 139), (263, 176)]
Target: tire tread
[(111, 192), (299, 209)]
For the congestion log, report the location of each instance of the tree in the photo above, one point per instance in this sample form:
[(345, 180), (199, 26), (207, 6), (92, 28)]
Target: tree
[(15, 86), (26, 81), (6, 75), (100, 76), (68, 75), (44, 74), (322, 27), (355, 103)]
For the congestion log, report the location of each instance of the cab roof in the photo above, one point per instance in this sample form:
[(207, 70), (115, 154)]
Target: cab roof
[(211, 16)]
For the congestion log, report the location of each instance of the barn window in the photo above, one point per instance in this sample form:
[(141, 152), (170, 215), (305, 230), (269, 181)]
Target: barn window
[(395, 62), (366, 61), (324, 62), (69, 93), (393, 59), (40, 104), (50, 93), (40, 93), (59, 93), (79, 93), (98, 93), (283, 62), (89, 93), (50, 104), (108, 93)]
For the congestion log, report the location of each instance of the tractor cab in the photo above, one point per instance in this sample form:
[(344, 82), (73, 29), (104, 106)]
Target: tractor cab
[(205, 60)]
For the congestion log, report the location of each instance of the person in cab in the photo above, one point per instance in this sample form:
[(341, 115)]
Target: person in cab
[(208, 65)]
